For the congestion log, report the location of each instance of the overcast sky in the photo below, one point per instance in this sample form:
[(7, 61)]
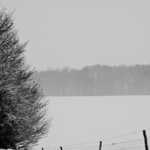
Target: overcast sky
[(77, 33)]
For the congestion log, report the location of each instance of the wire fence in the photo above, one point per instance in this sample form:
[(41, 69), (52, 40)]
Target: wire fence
[(134, 140)]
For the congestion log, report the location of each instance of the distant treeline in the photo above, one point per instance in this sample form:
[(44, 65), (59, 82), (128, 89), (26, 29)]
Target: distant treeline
[(98, 80)]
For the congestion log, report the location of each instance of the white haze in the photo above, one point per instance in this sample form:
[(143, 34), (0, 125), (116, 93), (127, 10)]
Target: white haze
[(78, 33)]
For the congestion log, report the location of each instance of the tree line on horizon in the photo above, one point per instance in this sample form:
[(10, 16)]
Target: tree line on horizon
[(96, 80)]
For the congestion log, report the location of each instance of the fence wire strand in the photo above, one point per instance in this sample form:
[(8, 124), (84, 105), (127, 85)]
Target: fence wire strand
[(86, 145)]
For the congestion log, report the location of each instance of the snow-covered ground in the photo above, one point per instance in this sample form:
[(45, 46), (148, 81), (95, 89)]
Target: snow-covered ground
[(92, 119)]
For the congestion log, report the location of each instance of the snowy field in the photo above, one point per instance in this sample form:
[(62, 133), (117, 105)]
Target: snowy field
[(92, 119)]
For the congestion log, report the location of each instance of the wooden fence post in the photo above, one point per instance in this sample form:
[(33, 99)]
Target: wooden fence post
[(145, 140), (100, 145), (61, 148)]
